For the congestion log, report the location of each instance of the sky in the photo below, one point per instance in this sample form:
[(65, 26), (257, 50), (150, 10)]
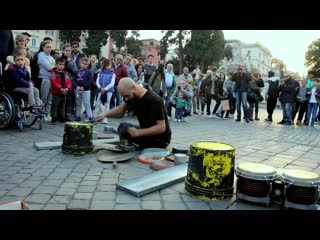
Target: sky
[(287, 45)]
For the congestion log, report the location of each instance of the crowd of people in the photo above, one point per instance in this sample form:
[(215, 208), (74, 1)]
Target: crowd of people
[(63, 82)]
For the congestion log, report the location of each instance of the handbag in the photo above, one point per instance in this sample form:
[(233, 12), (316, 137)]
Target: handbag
[(225, 105)]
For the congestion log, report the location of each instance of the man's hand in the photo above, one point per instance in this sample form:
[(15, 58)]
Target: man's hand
[(102, 90), (133, 132), (99, 117)]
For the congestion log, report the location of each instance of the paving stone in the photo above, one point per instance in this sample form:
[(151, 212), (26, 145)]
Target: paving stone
[(128, 206), (88, 183), (106, 188), (52, 182), (102, 205), (104, 196), (38, 198), (91, 178), (60, 200), (46, 189), (104, 181), (78, 205), (87, 189), (174, 206), (151, 205), (20, 192), (65, 191), (83, 196), (55, 207), (69, 185)]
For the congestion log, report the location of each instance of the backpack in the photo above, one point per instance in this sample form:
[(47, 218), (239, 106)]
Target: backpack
[(273, 91)]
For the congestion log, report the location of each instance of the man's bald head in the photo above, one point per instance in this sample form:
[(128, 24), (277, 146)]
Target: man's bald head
[(125, 83)]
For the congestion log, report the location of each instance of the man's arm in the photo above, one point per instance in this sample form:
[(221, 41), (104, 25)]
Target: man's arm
[(158, 128), (114, 112)]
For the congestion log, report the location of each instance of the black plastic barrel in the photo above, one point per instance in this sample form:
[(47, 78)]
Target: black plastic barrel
[(77, 138), (211, 170)]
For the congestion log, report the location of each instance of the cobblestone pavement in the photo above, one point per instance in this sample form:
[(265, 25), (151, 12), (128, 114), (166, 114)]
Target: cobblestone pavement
[(51, 180)]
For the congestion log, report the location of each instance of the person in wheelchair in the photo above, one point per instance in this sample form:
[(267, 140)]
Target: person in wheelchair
[(19, 81)]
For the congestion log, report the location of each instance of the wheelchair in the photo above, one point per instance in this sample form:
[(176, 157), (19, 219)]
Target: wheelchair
[(14, 110)]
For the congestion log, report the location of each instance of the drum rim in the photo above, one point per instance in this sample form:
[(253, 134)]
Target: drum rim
[(271, 173), (233, 148), (286, 175)]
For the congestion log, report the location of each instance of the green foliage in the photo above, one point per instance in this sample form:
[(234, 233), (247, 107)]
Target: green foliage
[(68, 36), (133, 46), (205, 47), (174, 37), (95, 40), (312, 58), (228, 52), (119, 36)]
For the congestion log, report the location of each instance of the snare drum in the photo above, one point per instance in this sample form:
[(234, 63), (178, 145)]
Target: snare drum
[(301, 189), (254, 182)]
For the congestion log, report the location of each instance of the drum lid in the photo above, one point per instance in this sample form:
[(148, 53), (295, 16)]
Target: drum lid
[(301, 175), (213, 146), (256, 169)]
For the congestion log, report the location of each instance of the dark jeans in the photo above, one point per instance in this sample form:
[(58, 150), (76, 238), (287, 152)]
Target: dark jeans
[(179, 113), (185, 114), (312, 109), (301, 107), (254, 104), (115, 97), (58, 107), (70, 103), (143, 142), (271, 105), (218, 102)]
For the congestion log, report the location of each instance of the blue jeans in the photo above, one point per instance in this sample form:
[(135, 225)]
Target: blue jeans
[(286, 111), (312, 108), (241, 97), (115, 96)]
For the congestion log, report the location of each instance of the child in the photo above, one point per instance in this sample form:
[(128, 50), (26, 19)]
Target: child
[(82, 82), (105, 83), (181, 106), (19, 80), (313, 94), (60, 87)]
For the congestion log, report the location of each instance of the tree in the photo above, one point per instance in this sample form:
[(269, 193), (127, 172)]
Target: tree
[(119, 36), (68, 36), (228, 52), (174, 37), (133, 46), (95, 40), (205, 47), (312, 58)]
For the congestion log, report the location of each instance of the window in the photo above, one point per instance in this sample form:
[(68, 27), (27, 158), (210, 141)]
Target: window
[(33, 42), (49, 32)]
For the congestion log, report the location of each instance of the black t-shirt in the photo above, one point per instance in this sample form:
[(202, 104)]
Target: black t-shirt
[(149, 109)]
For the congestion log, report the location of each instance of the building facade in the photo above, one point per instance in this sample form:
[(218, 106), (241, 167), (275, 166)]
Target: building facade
[(254, 56), (38, 35)]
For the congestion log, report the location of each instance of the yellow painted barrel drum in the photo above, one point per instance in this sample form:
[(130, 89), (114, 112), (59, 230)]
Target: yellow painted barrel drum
[(211, 170), (77, 138)]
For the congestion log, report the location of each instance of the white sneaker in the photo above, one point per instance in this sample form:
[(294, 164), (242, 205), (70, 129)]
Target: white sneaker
[(175, 120), (105, 121), (179, 120)]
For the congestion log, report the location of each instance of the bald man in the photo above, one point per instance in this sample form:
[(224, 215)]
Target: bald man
[(154, 130)]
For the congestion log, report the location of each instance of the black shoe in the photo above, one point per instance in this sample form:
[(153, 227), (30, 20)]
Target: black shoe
[(281, 122), (238, 119), (257, 119), (268, 119), (287, 123), (248, 120)]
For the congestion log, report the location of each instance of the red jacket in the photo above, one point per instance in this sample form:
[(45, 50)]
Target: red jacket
[(56, 83), (120, 72)]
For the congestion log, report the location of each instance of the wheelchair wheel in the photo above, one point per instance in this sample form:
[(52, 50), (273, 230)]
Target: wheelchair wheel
[(7, 110), (27, 118)]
